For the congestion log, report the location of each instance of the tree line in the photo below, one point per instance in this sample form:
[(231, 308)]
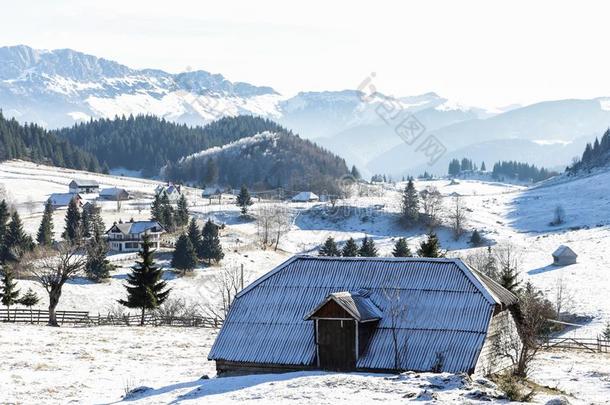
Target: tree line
[(429, 247), (34, 143), (596, 154), (147, 143)]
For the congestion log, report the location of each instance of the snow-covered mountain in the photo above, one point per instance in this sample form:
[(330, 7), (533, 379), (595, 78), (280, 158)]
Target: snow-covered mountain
[(60, 87)]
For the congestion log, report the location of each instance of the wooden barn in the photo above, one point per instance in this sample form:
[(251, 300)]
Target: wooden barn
[(366, 314), (564, 256)]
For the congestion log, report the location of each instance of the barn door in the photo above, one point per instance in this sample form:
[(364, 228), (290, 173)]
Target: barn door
[(337, 344)]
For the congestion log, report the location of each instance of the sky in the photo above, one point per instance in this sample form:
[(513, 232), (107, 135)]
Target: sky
[(478, 53)]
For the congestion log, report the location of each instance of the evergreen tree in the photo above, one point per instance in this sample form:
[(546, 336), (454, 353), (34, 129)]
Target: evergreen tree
[(86, 225), (368, 249), (185, 256), (606, 332), (5, 214), (156, 212), (355, 173), (508, 277), (16, 241), (182, 212), (430, 247), (210, 243), (244, 200), (145, 289), (475, 238), (73, 228), (194, 234), (483, 168), (9, 293), (96, 221), (329, 248), (29, 299), (401, 248), (410, 204), (350, 249), (97, 266), (44, 237), (167, 213)]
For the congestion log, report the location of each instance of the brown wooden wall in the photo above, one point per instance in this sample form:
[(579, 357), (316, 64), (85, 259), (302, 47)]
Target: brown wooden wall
[(332, 310)]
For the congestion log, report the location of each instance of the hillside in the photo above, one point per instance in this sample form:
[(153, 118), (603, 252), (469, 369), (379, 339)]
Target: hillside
[(31, 142), (264, 161), (145, 143)]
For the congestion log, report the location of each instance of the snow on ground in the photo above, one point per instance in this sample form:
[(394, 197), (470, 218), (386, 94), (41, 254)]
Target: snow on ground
[(100, 365), (503, 213)]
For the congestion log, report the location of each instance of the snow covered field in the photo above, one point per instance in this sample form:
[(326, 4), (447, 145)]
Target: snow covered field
[(503, 213)]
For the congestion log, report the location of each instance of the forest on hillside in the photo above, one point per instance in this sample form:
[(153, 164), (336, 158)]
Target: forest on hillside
[(267, 161), (32, 142), (147, 143), (595, 155)]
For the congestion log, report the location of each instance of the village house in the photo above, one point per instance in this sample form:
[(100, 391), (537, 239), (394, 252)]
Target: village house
[(84, 186), (62, 200), (366, 314), (128, 236), (564, 256), (172, 191), (114, 194)]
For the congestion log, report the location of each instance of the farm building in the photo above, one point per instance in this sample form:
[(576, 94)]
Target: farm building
[(305, 196), (366, 314), (564, 256), (84, 186), (114, 194), (60, 200)]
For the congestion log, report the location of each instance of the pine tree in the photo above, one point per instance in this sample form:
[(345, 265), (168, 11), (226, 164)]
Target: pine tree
[(145, 289), (475, 238), (410, 204), (86, 224), (97, 266), (430, 247), (5, 214), (185, 256), (244, 200), (167, 213), (350, 249), (194, 234), (329, 248), (44, 237), (156, 212), (9, 292), (29, 299), (368, 249), (73, 228), (355, 173), (97, 222), (606, 332), (16, 241), (182, 212), (483, 168), (210, 243), (401, 248), (508, 277)]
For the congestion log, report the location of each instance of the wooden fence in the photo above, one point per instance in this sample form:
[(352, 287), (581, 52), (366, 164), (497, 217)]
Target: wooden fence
[(37, 316), (594, 345)]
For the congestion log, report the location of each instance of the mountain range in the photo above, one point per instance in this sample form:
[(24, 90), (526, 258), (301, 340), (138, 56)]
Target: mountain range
[(59, 88)]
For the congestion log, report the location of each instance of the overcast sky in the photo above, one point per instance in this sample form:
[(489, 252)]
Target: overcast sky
[(485, 53)]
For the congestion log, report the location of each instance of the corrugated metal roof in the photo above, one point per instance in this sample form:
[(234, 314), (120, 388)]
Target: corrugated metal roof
[(84, 183), (436, 306), (501, 294), (137, 227), (355, 303)]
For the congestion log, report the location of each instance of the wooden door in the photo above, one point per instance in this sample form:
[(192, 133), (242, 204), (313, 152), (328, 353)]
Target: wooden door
[(337, 344)]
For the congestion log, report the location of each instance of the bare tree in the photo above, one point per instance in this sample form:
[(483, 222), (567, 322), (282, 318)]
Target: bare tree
[(52, 268), (398, 313), (564, 299), (432, 204), (281, 222), (559, 216), (264, 220), (228, 282), (531, 319), (457, 215)]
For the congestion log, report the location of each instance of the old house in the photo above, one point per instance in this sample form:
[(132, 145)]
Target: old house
[(564, 256), (366, 314), (114, 194), (127, 236), (84, 186), (62, 200)]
